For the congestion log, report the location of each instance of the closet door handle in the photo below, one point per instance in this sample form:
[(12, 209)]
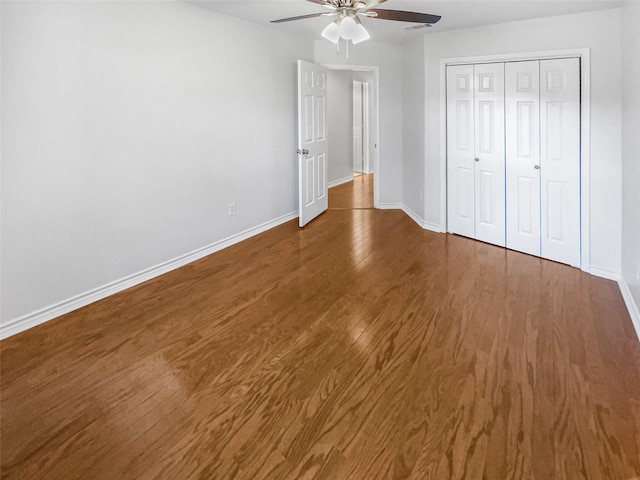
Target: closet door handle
[(477, 159), (537, 167)]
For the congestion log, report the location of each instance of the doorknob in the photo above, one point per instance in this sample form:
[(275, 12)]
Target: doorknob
[(302, 152), (537, 167), (477, 159)]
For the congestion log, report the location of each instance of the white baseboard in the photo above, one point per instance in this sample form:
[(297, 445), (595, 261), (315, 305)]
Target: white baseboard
[(432, 227), (390, 206), (49, 313), (632, 306), (340, 181), (598, 272), (413, 215)]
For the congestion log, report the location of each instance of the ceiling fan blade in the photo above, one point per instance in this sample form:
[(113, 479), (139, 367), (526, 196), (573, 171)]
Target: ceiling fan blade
[(401, 16), (343, 3), (301, 17), (372, 3)]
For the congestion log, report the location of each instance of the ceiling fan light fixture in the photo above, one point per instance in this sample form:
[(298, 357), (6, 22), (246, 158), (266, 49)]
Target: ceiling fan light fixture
[(360, 35), (348, 28), (332, 32)]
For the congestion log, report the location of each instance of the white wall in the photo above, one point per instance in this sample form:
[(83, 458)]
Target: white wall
[(413, 93), (630, 16), (599, 31), (389, 60), (128, 127), (340, 132)]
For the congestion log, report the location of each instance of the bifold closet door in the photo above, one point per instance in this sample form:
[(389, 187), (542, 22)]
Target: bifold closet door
[(475, 149), (513, 147), (560, 159), (460, 151), (522, 110), (489, 147), (543, 158)]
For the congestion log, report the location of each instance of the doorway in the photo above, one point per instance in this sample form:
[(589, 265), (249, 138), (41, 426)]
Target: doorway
[(353, 127)]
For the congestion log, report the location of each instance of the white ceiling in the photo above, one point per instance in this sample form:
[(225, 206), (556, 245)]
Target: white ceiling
[(455, 14)]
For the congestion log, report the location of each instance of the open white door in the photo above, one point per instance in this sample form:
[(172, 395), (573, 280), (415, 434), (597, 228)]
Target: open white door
[(312, 141)]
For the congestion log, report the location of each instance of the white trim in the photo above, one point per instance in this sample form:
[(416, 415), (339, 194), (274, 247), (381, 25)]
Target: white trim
[(49, 313), (413, 215), (518, 57), (390, 206), (598, 272), (376, 129), (585, 135), (443, 145), (634, 311), (432, 227), (585, 159), (340, 181)]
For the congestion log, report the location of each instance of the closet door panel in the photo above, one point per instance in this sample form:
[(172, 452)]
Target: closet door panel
[(560, 159), (460, 154), (522, 110), (489, 148)]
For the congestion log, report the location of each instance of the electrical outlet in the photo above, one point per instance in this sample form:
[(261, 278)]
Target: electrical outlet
[(232, 209)]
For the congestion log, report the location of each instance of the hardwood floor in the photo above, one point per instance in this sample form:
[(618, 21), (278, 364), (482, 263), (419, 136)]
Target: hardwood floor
[(356, 194), (359, 347)]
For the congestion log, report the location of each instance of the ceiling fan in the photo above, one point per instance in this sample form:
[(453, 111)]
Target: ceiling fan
[(347, 24)]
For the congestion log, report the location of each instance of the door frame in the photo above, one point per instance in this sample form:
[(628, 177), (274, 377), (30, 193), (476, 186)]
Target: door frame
[(357, 84), (584, 54), (375, 158)]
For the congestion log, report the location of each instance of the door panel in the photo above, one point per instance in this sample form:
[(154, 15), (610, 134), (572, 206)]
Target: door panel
[(460, 145), (310, 177), (312, 141), (522, 92), (322, 180), (486, 191), (465, 199), (560, 159), (489, 147)]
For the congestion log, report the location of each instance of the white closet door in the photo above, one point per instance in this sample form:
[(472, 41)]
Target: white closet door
[(460, 151), (560, 159), (490, 150), (522, 104)]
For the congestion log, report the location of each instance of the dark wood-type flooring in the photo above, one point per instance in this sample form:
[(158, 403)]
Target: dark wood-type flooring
[(359, 347)]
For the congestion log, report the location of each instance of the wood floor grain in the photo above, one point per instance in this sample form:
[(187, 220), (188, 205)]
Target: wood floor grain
[(355, 194), (359, 347)]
